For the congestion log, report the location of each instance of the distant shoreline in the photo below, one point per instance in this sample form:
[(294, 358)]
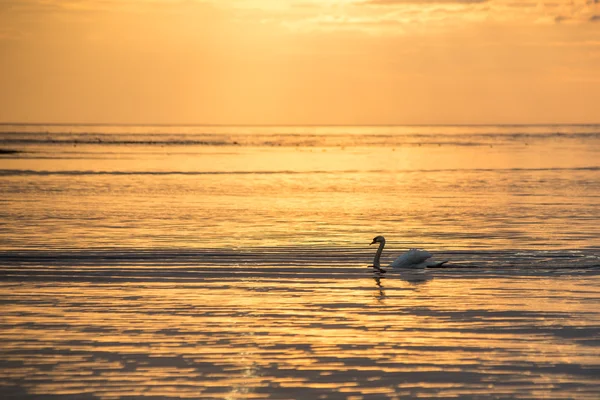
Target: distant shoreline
[(9, 151)]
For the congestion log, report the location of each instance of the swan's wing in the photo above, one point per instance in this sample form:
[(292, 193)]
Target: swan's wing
[(411, 258)]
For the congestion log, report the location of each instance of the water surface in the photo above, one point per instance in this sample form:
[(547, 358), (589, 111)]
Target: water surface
[(232, 262)]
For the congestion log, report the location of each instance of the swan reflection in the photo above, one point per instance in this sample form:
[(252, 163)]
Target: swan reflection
[(380, 296), (414, 277)]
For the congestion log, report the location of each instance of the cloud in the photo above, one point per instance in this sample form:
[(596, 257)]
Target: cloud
[(379, 17), (402, 2), (532, 11), (65, 6)]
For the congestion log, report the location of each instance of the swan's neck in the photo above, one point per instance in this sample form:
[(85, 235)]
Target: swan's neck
[(376, 263)]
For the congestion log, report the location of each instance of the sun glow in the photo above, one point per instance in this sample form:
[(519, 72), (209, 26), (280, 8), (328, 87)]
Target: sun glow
[(291, 62)]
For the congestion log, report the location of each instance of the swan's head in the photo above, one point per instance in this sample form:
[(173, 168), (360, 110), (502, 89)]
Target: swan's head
[(378, 239)]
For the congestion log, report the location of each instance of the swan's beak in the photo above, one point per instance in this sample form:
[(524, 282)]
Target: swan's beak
[(373, 242)]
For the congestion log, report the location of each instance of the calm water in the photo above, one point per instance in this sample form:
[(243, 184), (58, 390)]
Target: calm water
[(232, 262)]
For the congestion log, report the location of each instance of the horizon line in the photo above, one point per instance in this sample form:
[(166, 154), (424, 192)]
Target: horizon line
[(296, 125)]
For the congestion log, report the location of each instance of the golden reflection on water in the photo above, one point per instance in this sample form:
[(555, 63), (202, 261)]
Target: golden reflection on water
[(451, 196), (442, 210), (184, 311), (233, 339)]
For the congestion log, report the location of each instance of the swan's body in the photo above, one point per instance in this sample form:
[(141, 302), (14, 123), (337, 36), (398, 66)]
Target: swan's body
[(413, 258)]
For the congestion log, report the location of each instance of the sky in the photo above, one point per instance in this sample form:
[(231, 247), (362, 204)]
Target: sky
[(300, 61)]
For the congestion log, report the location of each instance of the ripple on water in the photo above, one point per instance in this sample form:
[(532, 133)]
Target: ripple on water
[(322, 332)]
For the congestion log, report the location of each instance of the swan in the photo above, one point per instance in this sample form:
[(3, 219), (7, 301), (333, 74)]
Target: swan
[(413, 258)]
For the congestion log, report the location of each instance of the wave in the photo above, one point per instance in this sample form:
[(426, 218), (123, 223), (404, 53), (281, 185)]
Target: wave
[(288, 137), (270, 262), (94, 140), (29, 172)]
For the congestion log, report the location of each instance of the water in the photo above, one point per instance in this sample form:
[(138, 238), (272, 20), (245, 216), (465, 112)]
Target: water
[(232, 262)]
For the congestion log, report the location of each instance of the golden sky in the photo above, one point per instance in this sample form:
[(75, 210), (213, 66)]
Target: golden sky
[(300, 61)]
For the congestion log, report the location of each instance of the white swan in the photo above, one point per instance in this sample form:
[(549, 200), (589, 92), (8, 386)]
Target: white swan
[(413, 258)]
